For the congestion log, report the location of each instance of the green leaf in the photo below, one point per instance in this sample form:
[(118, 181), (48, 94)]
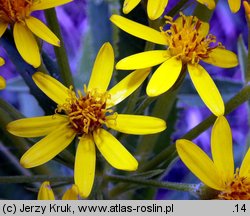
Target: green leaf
[(86, 62), (242, 56), (98, 32), (100, 26)]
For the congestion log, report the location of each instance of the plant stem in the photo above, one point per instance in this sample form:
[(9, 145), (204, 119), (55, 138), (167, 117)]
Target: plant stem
[(15, 114), (36, 178), (153, 183), (60, 52)]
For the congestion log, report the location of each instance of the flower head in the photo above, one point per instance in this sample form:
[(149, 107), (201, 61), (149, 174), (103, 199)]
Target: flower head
[(17, 14), (46, 193), (188, 42), (155, 8), (2, 80), (219, 172), (86, 115)]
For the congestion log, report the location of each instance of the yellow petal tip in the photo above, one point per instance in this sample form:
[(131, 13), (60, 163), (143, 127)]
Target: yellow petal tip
[(125, 10), (24, 163), (152, 92)]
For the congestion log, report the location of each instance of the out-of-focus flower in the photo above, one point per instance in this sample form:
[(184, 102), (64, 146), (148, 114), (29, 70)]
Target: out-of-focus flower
[(187, 42), (85, 115), (234, 5), (155, 8), (247, 10), (2, 80), (219, 172), (46, 193), (17, 14)]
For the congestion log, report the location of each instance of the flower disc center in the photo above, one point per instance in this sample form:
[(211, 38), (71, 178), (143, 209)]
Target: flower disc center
[(188, 40), (12, 11), (238, 189), (86, 113)]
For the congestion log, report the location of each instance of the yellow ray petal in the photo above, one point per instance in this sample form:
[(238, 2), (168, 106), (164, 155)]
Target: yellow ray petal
[(136, 124), (71, 194), (2, 83), (127, 86), (143, 60), (164, 77), (209, 3), (129, 5), (114, 152), (3, 27), (103, 68), (199, 163), (138, 30), (48, 147), (204, 29), (42, 31), (222, 58), (155, 8), (46, 4), (234, 5), (85, 165), (247, 10), (222, 148), (26, 44), (245, 166), (45, 192), (51, 87), (37, 126), (206, 89)]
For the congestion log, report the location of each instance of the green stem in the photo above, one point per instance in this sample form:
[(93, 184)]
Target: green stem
[(10, 110), (203, 13), (32, 179), (60, 52), (144, 105), (153, 183)]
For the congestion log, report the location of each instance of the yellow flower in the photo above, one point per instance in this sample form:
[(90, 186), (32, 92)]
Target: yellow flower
[(187, 42), (2, 80), (46, 193), (17, 14), (234, 5), (219, 172), (85, 115), (155, 8)]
